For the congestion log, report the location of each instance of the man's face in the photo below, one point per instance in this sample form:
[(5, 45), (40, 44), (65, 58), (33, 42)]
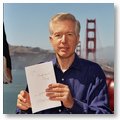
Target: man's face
[(64, 38)]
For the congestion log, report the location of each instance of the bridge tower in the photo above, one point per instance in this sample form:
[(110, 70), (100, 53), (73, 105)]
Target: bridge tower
[(91, 39), (78, 49)]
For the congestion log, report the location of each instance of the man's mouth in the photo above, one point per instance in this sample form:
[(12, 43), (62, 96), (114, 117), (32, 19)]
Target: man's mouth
[(64, 48)]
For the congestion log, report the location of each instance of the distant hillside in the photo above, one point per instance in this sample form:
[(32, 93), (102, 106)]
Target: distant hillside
[(107, 54), (104, 55), (22, 56)]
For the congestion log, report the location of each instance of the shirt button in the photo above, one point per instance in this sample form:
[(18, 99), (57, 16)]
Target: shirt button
[(70, 112), (59, 110), (62, 79)]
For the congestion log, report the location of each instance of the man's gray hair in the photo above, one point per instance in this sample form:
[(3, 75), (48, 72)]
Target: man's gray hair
[(64, 16)]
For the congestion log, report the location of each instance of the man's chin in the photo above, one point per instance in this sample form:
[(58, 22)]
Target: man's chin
[(65, 55)]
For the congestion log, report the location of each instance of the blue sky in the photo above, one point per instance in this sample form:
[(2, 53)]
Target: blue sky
[(27, 24)]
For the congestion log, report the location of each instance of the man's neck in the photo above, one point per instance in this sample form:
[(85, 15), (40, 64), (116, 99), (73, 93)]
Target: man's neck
[(65, 63)]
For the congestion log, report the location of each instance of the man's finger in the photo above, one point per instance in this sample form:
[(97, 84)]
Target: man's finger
[(56, 85), (54, 94), (21, 106), (21, 98), (23, 93), (56, 89)]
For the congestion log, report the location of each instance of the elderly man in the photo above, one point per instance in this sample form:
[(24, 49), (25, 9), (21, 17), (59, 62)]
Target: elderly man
[(81, 84)]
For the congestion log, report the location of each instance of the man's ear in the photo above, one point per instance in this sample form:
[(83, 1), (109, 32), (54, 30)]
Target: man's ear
[(50, 38), (78, 39)]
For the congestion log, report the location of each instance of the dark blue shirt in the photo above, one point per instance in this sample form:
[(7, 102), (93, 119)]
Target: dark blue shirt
[(87, 83)]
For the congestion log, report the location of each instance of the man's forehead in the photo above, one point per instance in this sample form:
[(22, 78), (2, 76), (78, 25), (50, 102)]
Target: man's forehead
[(63, 26)]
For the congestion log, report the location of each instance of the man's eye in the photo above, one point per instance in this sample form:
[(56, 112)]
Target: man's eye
[(70, 34), (58, 35)]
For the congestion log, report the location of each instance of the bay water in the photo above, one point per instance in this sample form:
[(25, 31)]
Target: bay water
[(11, 91)]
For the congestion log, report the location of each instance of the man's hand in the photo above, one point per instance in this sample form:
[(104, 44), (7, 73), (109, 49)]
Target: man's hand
[(60, 92), (23, 101)]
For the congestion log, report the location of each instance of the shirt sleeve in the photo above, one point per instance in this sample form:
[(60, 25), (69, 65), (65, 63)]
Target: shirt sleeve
[(96, 98), (19, 111)]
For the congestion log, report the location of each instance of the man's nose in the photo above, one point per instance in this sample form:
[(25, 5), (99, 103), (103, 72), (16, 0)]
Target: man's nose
[(63, 40)]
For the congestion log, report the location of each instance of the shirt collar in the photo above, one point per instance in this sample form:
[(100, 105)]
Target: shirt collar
[(76, 63)]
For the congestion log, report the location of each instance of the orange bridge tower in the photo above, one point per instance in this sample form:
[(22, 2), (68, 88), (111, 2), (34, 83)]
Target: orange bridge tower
[(91, 39)]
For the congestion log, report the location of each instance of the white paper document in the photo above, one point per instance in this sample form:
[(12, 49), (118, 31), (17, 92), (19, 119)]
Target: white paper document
[(39, 76)]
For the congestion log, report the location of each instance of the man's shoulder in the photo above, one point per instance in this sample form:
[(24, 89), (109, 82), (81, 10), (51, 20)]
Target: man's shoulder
[(90, 66), (88, 63)]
